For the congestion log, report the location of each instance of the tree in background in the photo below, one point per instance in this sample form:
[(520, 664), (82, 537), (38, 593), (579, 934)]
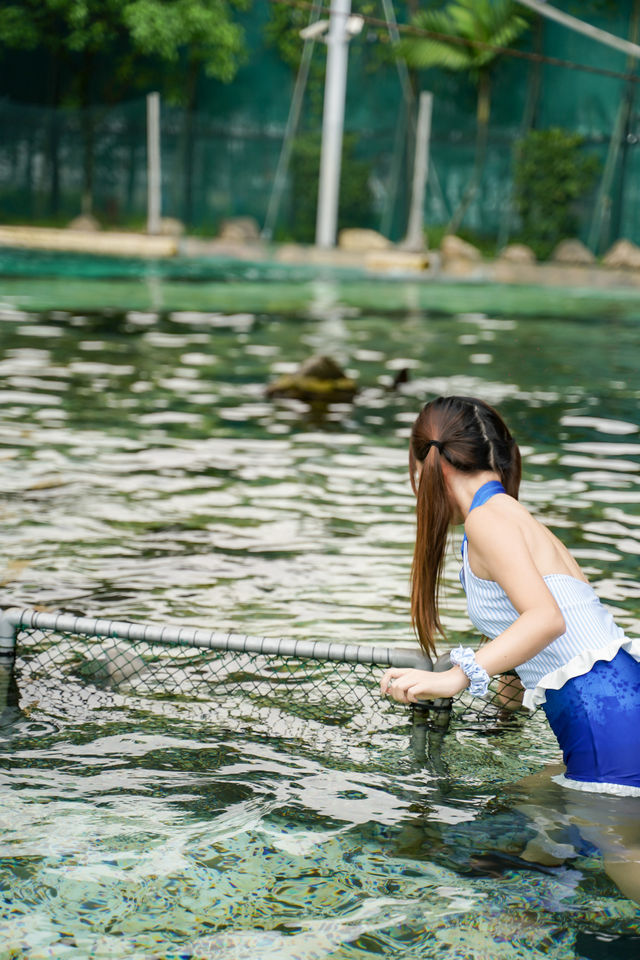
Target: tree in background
[(496, 22), (102, 49), (188, 37), (552, 176)]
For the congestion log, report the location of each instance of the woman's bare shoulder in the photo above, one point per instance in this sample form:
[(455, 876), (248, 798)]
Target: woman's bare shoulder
[(505, 524)]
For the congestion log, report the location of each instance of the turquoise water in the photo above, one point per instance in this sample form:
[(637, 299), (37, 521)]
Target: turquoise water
[(145, 475)]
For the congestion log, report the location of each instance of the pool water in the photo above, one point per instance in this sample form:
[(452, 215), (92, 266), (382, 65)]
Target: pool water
[(145, 475)]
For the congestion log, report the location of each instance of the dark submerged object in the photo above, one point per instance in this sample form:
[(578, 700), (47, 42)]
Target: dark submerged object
[(318, 380)]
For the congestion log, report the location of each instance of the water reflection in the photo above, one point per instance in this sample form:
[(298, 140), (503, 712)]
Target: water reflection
[(120, 427), (145, 475)]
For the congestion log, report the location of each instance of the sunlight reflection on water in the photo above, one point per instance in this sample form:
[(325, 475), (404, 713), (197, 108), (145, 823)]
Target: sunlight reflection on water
[(146, 476)]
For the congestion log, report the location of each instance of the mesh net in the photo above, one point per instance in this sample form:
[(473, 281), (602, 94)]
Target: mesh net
[(77, 673), (45, 171)]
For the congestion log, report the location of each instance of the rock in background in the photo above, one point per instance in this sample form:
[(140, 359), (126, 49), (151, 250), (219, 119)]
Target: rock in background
[(572, 251), (318, 380)]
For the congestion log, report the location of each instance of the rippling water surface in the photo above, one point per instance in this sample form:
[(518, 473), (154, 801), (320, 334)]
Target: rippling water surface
[(146, 476)]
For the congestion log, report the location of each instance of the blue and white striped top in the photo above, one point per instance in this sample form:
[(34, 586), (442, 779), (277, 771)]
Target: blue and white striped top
[(591, 633)]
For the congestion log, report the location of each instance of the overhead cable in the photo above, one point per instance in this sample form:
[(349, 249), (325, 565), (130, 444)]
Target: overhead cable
[(581, 26), (414, 31)]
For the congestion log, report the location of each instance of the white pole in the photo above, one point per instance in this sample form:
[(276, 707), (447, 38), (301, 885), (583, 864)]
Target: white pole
[(602, 36), (415, 229), (154, 191), (332, 124), (8, 634)]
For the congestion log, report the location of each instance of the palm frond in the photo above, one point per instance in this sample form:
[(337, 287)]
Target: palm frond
[(510, 32), (424, 53), (495, 22), (439, 21), (464, 22)]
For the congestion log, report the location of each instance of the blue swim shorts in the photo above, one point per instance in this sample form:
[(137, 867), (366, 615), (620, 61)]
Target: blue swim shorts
[(596, 719)]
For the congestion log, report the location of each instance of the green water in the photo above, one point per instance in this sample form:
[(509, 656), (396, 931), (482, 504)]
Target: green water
[(145, 475)]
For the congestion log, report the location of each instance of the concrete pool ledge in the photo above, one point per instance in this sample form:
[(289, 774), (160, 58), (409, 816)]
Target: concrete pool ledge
[(559, 275), (391, 262), (101, 243)]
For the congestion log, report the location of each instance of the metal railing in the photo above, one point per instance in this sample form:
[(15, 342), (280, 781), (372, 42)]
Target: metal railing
[(58, 655)]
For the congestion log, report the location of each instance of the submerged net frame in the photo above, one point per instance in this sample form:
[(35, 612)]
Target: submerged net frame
[(58, 657)]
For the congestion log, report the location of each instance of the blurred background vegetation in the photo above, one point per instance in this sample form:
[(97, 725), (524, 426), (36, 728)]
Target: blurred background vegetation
[(73, 135)]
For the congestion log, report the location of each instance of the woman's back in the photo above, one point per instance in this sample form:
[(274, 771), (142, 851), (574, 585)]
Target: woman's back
[(549, 554)]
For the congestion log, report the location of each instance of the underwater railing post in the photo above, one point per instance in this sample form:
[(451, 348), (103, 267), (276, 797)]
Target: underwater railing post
[(8, 634), (430, 718)]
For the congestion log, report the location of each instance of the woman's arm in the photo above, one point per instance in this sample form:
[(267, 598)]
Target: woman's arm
[(503, 552)]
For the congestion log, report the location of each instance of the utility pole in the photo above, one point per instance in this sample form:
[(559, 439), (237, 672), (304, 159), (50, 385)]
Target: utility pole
[(414, 239), (332, 124)]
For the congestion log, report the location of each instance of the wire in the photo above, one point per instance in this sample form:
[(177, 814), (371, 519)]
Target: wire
[(411, 30), (581, 26)]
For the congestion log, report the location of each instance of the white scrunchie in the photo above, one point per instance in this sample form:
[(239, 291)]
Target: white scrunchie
[(465, 658)]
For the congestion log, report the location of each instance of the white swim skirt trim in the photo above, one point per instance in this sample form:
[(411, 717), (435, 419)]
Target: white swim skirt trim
[(577, 667), (592, 786)]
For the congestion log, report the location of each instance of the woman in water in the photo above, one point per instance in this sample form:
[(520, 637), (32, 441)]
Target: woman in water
[(529, 596), (524, 591)]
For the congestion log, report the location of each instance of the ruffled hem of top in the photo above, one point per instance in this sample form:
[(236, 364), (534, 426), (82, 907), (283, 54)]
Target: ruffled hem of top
[(594, 786), (576, 667)]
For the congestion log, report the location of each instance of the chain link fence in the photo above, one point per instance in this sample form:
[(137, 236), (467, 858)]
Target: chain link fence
[(76, 666)]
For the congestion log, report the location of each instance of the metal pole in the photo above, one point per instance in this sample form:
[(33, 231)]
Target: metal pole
[(401, 63), (154, 191), (289, 133), (415, 230), (631, 93), (412, 657), (617, 142), (595, 33), (332, 125), (401, 123), (8, 631)]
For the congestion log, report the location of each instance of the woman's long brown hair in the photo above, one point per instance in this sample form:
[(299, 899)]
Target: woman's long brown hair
[(472, 437)]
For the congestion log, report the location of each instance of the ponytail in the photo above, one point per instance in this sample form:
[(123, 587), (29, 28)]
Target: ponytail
[(472, 437), (511, 473), (433, 516)]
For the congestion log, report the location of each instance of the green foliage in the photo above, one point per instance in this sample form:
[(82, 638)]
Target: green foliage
[(356, 200), (204, 28), (101, 50), (497, 22), (282, 30), (551, 176), (18, 29), (151, 34)]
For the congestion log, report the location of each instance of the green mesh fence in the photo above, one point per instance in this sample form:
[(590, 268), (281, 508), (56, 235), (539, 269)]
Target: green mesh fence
[(55, 161), (220, 160), (79, 665)]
